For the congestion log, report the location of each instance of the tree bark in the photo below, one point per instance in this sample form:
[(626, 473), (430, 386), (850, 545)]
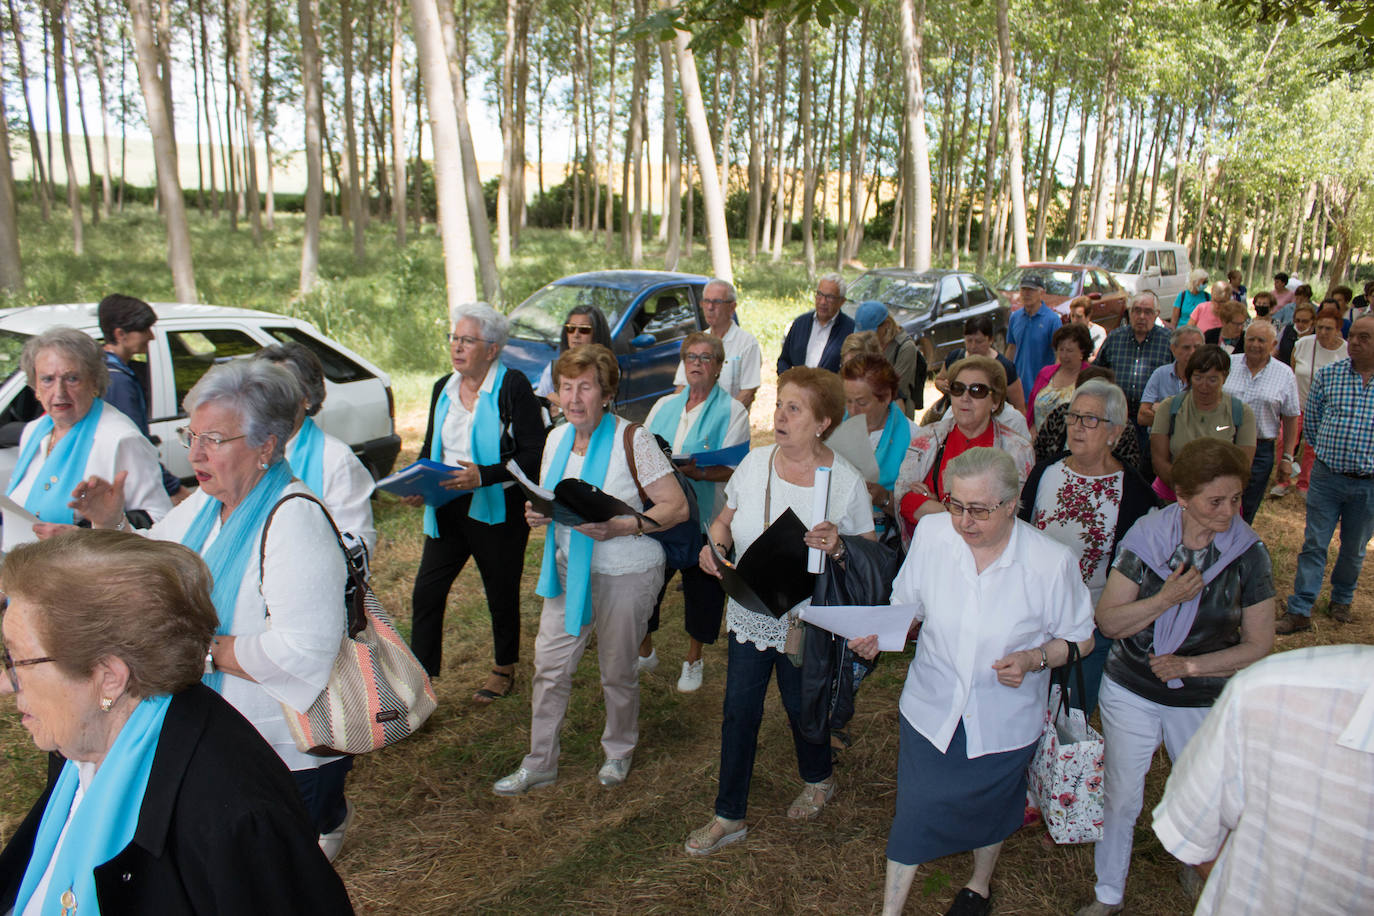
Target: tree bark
[(916, 232), (673, 252), (205, 106), (165, 153), (245, 84), (106, 190), (504, 181), (454, 228), (42, 188), (85, 131), (808, 157), (354, 190), (989, 166), (57, 14), (713, 204), (270, 213), (11, 267), (1015, 175), (398, 120), (313, 97), (1102, 182)]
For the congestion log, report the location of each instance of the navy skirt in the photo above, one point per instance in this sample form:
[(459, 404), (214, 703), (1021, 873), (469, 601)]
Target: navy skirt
[(947, 803)]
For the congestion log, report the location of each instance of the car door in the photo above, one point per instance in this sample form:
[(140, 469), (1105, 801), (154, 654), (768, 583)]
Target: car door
[(649, 345), (947, 328)]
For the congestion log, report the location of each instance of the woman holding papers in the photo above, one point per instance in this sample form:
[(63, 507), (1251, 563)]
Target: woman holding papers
[(601, 575), (1189, 601), (870, 390), (977, 391), (324, 463), (701, 418), (973, 705), (767, 483), (480, 417), (75, 438)]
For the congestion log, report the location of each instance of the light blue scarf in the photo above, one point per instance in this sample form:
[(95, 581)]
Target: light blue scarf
[(892, 446), (488, 503), (306, 456), (706, 434), (577, 611), (105, 821), (62, 470), (237, 541)]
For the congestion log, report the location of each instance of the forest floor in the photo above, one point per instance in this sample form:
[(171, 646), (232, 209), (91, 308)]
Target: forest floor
[(431, 838)]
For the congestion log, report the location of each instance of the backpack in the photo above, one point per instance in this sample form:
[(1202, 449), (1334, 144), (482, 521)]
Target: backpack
[(681, 543)]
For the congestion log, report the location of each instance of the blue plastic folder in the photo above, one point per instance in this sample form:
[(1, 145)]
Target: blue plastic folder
[(721, 457), (423, 478)]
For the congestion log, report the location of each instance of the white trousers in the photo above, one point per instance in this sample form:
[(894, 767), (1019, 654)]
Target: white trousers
[(1132, 728)]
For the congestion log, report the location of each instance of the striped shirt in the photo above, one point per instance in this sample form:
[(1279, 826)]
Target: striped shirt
[(1272, 393), (1339, 419), (1280, 781)]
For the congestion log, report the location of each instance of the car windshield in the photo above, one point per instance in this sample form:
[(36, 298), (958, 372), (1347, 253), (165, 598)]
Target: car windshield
[(541, 316), (11, 345), (1057, 282), (1118, 258), (911, 293)]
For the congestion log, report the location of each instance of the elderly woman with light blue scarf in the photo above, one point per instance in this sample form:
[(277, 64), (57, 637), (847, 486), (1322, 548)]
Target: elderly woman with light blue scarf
[(281, 618), (481, 416), (701, 418), (600, 576)]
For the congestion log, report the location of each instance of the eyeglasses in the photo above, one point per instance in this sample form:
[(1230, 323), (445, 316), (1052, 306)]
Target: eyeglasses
[(1085, 420), (571, 329), (718, 302), (11, 663), (699, 358), (977, 390), (830, 297), (981, 513), (211, 441), (466, 341)]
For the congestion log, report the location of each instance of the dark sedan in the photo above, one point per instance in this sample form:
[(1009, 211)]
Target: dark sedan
[(931, 305), (649, 313), (1064, 282)]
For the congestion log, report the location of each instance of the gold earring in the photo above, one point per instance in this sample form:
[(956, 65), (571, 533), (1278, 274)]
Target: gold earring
[(106, 704)]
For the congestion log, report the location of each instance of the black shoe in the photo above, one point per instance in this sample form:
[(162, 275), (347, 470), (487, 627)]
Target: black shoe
[(969, 903)]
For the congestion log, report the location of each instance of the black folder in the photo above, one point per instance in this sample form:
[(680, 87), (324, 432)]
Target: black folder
[(573, 502), (771, 577)]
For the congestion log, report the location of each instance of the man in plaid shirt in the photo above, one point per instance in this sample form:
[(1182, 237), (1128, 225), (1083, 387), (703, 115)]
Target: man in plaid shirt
[(1339, 425), (1133, 352)]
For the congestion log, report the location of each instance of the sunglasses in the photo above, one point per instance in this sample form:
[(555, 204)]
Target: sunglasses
[(571, 329), (977, 390), (981, 513)]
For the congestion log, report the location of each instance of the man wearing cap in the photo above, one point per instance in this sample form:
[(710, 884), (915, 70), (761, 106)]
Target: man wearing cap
[(1031, 328), (899, 350), (743, 359), (1133, 352), (814, 339)]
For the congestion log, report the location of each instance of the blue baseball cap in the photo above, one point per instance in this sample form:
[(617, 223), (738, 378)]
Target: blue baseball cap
[(871, 313)]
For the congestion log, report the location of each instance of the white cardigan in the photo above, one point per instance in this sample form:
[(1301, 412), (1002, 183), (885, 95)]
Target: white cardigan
[(347, 491)]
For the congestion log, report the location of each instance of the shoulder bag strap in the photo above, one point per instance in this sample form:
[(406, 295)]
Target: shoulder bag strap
[(355, 610), (768, 488), (630, 460)]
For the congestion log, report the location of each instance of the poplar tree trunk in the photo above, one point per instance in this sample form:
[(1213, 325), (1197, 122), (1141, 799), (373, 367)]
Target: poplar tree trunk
[(106, 191), (354, 190), (42, 188), (245, 84), (57, 17), (712, 202), (398, 120), (85, 132), (916, 233), (308, 13), (270, 214), (989, 163), (11, 267), (673, 254), (808, 158), (504, 181), (1015, 177)]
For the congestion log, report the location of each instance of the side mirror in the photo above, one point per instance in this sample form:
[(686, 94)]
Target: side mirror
[(643, 341)]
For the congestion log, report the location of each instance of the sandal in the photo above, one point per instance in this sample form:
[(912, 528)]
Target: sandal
[(812, 799), (499, 684), (720, 832)]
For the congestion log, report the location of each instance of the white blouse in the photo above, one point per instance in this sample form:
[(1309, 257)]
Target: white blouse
[(291, 654), (736, 432), (1308, 357), (1031, 594), (1080, 512), (623, 555), (848, 507), (347, 491), (117, 446)]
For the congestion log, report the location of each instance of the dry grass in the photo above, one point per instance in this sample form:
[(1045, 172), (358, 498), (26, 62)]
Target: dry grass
[(430, 838)]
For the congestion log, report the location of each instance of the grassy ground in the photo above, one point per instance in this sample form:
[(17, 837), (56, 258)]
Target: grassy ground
[(430, 838)]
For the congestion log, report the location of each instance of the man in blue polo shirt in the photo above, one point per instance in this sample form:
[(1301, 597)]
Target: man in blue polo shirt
[(1031, 328)]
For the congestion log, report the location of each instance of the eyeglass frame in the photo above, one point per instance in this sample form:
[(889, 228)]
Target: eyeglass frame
[(571, 329), (699, 358), (1073, 418), (465, 340), (10, 663), (211, 441), (968, 387), (949, 502)]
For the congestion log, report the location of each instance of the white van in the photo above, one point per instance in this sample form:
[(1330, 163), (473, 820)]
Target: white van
[(1138, 265)]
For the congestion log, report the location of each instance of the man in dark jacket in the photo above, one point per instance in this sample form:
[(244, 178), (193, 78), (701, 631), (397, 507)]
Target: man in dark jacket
[(815, 338)]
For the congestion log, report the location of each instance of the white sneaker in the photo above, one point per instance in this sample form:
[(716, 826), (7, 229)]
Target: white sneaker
[(332, 842), (647, 662), (691, 676), (1279, 491), (613, 771), (522, 780)]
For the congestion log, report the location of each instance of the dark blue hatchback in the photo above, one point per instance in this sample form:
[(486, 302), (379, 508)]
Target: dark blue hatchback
[(649, 313)]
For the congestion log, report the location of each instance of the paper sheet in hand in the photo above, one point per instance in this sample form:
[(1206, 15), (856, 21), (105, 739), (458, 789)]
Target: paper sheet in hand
[(889, 621), (850, 442), (771, 577), (12, 507), (423, 478), (572, 502)]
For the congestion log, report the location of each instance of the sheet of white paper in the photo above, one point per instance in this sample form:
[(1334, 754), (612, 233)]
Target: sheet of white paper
[(889, 621), (850, 441), (12, 507)]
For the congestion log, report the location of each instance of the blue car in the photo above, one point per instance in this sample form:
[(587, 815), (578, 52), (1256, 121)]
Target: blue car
[(649, 313)]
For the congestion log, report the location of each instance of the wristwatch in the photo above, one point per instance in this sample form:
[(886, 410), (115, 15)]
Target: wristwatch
[(1044, 659)]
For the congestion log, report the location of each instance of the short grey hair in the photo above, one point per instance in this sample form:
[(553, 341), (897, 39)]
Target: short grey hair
[(1112, 397), (74, 344), (1143, 294), (717, 281), (301, 362), (831, 277), (1183, 331), (990, 462), (265, 395), (495, 327)]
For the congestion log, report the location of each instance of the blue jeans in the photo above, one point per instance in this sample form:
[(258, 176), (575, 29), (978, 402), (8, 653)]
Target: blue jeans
[(1332, 498), (1260, 470), (746, 685)]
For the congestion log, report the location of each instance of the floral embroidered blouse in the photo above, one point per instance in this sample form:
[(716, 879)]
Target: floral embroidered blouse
[(1080, 513)]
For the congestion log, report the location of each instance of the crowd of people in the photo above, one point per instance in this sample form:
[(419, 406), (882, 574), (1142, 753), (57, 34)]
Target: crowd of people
[(1084, 498)]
